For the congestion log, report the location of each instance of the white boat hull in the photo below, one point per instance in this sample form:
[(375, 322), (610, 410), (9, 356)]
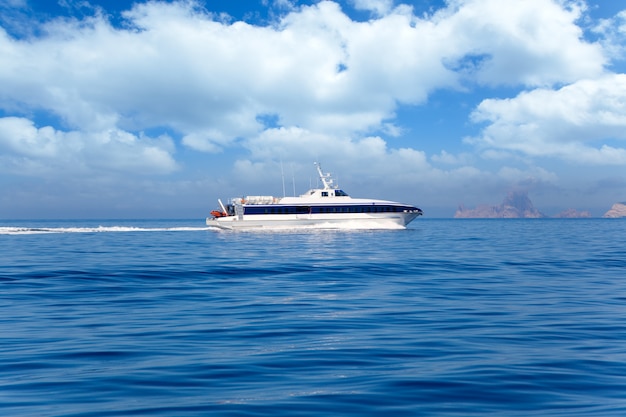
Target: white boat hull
[(319, 221)]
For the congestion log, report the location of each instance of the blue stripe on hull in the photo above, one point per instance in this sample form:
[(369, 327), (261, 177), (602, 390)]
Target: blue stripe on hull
[(312, 209)]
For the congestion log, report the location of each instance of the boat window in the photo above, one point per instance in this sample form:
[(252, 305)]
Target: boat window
[(324, 193), (340, 193)]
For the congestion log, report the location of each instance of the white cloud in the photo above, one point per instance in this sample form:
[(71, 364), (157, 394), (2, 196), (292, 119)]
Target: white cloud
[(332, 86), (449, 159), (530, 176), (563, 123), (613, 35), (303, 145), (178, 67), (366, 160), (205, 141), (28, 150), (534, 42)]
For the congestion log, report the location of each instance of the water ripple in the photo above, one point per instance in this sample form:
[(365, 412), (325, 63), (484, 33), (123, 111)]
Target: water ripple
[(450, 318)]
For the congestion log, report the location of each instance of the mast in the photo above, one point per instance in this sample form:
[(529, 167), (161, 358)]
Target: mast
[(326, 178)]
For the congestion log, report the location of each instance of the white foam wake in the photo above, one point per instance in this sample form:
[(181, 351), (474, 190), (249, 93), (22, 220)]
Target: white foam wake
[(19, 230)]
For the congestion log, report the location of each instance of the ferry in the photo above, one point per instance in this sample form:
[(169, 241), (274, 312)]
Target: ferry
[(321, 208)]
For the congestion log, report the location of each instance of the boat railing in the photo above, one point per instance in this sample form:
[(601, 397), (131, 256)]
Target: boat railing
[(256, 199)]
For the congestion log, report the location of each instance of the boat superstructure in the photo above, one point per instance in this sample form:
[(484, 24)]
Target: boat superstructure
[(326, 207)]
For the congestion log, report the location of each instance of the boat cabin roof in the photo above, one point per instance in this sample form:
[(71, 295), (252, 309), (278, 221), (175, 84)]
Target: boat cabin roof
[(326, 193)]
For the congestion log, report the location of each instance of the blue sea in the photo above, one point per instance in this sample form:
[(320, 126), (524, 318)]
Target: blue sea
[(447, 318)]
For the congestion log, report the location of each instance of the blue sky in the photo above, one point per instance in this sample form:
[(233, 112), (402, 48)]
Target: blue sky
[(121, 109)]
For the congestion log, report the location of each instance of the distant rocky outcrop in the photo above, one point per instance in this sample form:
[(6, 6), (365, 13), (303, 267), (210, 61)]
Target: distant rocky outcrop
[(515, 205), (618, 210), (573, 214)]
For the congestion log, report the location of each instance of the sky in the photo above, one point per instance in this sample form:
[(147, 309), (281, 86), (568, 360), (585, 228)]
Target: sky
[(155, 109)]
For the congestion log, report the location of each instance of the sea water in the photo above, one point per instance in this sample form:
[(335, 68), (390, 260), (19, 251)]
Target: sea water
[(447, 318)]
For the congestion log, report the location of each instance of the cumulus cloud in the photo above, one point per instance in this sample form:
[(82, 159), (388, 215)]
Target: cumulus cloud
[(177, 65), (612, 34), (563, 123), (29, 150), (533, 42), (368, 160), (300, 144), (332, 86), (449, 159)]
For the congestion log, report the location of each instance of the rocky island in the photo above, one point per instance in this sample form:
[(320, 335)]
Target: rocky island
[(618, 210), (573, 214), (516, 205)]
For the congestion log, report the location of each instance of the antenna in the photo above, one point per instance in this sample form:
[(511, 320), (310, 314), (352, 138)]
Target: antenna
[(282, 174), (293, 180)]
